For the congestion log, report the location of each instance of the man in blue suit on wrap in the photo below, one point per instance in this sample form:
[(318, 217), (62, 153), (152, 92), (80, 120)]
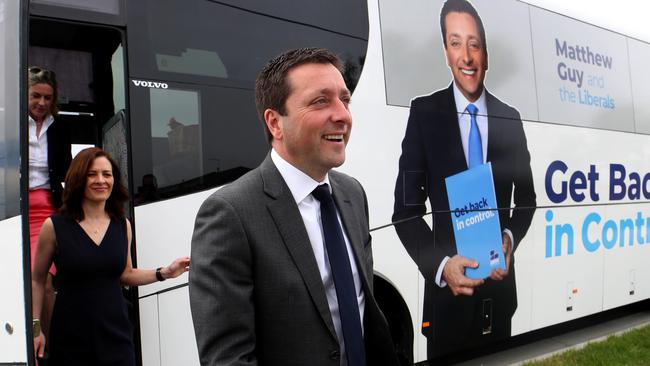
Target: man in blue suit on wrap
[(447, 132)]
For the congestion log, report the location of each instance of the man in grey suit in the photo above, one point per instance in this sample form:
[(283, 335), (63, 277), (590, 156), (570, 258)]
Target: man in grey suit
[(266, 285)]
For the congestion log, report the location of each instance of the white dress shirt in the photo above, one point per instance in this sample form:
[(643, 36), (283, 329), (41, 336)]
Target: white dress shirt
[(39, 170), (301, 185), (465, 123)]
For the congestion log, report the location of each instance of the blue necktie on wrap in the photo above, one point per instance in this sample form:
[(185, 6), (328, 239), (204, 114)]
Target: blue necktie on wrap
[(474, 147), (343, 281)]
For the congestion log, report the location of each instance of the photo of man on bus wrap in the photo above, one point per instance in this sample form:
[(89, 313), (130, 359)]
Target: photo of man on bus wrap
[(459, 311)]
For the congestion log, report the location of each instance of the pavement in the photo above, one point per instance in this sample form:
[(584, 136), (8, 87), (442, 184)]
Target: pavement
[(572, 339)]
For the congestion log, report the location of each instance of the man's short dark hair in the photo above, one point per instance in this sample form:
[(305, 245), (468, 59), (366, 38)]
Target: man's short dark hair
[(272, 87), (461, 6)]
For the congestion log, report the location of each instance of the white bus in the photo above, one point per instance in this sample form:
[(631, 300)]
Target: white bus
[(167, 88)]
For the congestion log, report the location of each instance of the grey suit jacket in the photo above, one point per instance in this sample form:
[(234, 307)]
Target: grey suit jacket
[(255, 289)]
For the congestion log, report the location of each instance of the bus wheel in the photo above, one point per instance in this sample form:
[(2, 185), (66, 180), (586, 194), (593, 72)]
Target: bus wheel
[(399, 320)]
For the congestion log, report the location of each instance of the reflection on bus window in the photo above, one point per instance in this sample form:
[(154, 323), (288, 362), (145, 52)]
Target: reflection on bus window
[(175, 136), (117, 66), (100, 6), (193, 61)]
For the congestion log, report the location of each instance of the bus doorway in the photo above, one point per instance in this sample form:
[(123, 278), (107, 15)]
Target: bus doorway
[(89, 62)]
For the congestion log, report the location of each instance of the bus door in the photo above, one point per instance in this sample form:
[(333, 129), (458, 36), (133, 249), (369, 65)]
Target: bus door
[(88, 59), (88, 62)]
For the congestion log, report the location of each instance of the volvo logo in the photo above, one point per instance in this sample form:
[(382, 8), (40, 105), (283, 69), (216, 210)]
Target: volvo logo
[(150, 84)]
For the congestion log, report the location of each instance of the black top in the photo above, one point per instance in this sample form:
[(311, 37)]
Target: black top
[(90, 323)]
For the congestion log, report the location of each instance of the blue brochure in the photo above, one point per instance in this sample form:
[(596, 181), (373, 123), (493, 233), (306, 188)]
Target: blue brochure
[(475, 219)]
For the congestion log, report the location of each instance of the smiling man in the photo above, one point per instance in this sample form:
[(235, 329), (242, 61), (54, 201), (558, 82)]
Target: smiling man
[(448, 132), (281, 258)]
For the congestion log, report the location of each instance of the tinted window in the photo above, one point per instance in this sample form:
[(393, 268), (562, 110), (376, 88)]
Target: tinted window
[(187, 138), (192, 67), (208, 42), (100, 6), (346, 17), (91, 11)]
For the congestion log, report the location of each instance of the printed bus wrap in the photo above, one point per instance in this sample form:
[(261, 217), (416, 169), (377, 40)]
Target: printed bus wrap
[(475, 219)]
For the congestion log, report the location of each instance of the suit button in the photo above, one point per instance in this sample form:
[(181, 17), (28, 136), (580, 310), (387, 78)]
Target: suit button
[(334, 355)]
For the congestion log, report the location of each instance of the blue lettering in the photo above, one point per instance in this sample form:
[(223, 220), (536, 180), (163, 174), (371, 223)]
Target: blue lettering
[(609, 227), (549, 234), (555, 197), (578, 182), (607, 61), (573, 75), (616, 180), (582, 54), (576, 186), (561, 71), (627, 225), (592, 177), (634, 188), (590, 246), (560, 49), (560, 232), (639, 225)]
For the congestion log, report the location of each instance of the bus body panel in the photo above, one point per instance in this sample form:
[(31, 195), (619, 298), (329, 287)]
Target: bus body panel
[(164, 231), (167, 331), (597, 274), (13, 331)]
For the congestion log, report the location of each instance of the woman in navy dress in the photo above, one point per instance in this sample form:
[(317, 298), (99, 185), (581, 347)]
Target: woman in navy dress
[(89, 240)]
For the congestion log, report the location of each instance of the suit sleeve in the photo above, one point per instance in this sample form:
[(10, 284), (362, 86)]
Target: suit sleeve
[(221, 287), (410, 196), (524, 196)]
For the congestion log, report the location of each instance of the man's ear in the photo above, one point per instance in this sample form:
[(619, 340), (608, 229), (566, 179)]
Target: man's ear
[(273, 123)]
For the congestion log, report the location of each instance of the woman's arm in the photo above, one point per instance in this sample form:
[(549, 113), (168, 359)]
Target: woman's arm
[(137, 277), (44, 254)]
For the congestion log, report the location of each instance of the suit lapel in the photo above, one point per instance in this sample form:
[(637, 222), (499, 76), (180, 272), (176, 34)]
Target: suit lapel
[(351, 225), (494, 126), (376, 336), (454, 141), (289, 223)]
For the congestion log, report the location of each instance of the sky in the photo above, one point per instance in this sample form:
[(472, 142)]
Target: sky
[(628, 17)]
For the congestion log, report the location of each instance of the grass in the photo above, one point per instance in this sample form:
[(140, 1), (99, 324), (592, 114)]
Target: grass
[(630, 348)]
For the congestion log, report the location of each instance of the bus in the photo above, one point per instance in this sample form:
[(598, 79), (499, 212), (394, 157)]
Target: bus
[(167, 88)]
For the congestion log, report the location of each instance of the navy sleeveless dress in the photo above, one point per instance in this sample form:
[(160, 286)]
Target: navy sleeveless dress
[(90, 323)]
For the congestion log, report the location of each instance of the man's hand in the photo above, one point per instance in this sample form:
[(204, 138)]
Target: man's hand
[(500, 274), (454, 275)]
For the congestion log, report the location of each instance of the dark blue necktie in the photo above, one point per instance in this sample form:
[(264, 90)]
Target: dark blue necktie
[(343, 280), (474, 147)]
